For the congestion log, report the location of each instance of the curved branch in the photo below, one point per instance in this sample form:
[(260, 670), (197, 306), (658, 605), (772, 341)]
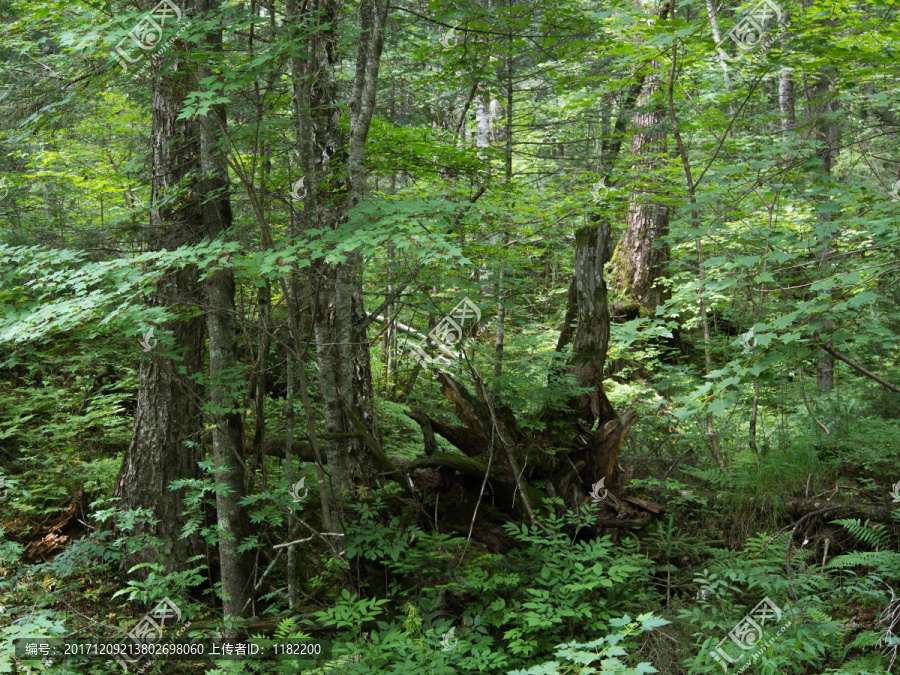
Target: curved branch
[(856, 366)]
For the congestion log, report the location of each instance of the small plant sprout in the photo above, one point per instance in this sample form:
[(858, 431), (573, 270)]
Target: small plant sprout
[(296, 488)]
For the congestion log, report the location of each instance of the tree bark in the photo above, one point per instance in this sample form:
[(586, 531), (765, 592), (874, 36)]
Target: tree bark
[(828, 138), (166, 437), (591, 339), (342, 346), (224, 390), (641, 253)]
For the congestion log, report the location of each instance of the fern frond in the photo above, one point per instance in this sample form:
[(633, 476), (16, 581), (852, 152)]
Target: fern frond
[(777, 550), (867, 638), (285, 628), (886, 563), (819, 616), (875, 536)]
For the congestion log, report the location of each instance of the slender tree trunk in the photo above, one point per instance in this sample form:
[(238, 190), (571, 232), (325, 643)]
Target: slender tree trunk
[(714, 24), (500, 336), (828, 138), (786, 100), (315, 100), (289, 474), (389, 340), (352, 443), (753, 412), (711, 432), (224, 392), (264, 343), (786, 92)]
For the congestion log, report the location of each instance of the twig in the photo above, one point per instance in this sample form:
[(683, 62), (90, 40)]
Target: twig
[(865, 371), (794, 527), (675, 463), (261, 579), (813, 513), (507, 449), (808, 409), (300, 541), (480, 495)]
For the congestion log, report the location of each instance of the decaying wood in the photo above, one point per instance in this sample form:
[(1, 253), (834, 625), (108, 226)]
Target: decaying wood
[(653, 507), (475, 413), (431, 445), (462, 438), (803, 507), (464, 465)]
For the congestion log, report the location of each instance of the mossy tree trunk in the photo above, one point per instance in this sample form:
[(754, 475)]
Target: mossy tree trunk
[(166, 437)]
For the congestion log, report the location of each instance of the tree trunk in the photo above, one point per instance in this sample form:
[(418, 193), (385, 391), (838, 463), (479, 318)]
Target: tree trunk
[(828, 138), (352, 443), (224, 390), (166, 437), (641, 253), (589, 347)]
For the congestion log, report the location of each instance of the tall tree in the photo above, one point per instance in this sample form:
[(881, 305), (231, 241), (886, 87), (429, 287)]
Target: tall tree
[(224, 375), (166, 438), (642, 252), (826, 129), (352, 435)]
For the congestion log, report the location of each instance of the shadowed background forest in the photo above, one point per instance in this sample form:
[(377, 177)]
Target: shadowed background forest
[(492, 336)]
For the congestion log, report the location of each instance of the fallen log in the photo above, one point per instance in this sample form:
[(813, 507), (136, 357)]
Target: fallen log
[(274, 447), (802, 507), (462, 438)]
